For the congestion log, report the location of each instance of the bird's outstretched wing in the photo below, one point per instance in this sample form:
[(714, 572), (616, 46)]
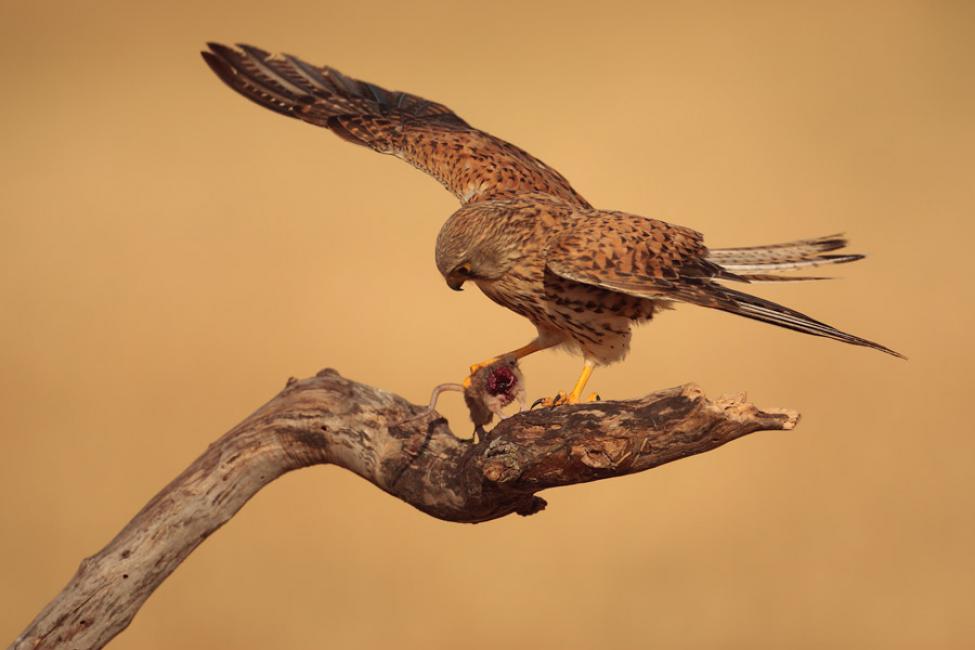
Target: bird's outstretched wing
[(656, 260), (473, 165)]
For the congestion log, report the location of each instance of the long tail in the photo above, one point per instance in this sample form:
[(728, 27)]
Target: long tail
[(749, 306), (760, 263)]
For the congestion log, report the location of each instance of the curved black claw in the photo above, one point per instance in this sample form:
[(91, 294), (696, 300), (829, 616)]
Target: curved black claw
[(548, 402)]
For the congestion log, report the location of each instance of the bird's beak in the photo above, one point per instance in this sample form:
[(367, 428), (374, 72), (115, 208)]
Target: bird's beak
[(455, 283)]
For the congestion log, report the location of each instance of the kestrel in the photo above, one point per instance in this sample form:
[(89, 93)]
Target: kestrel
[(523, 235)]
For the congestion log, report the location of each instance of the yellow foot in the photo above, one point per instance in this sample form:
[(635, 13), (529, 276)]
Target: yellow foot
[(548, 402), (563, 398), (478, 366)]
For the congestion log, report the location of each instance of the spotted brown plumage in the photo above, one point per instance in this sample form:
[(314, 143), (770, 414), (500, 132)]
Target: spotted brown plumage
[(523, 235), (473, 165)]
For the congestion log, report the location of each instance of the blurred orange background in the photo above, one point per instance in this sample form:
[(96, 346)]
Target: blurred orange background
[(171, 253)]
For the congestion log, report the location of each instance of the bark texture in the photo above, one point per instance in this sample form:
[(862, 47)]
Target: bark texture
[(402, 448)]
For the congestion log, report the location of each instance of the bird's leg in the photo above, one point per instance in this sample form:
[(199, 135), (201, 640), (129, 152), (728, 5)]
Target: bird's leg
[(576, 395), (520, 353)]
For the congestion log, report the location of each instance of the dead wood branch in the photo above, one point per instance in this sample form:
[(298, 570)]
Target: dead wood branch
[(393, 444)]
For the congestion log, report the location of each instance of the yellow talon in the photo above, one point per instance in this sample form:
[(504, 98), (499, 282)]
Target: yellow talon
[(576, 395), (572, 398), (520, 353), (548, 402), (484, 364), (476, 367)]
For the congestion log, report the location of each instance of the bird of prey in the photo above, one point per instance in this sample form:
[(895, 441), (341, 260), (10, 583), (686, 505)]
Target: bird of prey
[(531, 243)]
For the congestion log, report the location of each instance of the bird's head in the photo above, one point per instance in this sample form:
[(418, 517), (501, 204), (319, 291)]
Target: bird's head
[(474, 245)]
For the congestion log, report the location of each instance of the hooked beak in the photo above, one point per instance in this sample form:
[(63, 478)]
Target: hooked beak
[(455, 283)]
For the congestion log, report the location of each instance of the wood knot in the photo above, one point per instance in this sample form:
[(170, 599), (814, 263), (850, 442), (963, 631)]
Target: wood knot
[(502, 470), (692, 391), (502, 464), (600, 454)]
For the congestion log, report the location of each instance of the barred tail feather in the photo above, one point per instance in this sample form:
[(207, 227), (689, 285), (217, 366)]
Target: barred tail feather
[(749, 306), (806, 253), (770, 277)]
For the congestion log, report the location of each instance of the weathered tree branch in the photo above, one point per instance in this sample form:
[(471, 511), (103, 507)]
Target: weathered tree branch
[(404, 450)]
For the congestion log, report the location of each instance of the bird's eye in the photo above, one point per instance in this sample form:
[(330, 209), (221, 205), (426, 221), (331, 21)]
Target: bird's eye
[(463, 269)]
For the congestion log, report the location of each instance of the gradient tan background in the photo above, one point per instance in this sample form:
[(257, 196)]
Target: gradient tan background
[(170, 254)]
